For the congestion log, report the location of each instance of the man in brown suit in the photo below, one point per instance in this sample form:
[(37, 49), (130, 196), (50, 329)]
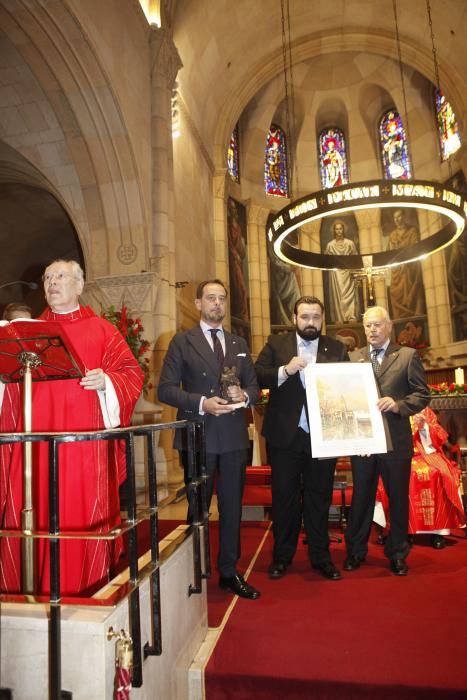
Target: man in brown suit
[(403, 392)]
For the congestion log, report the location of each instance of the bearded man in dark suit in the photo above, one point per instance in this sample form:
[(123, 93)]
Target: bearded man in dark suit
[(190, 380), (279, 368), (403, 392)]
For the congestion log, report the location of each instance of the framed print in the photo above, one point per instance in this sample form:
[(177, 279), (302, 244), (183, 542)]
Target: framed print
[(343, 416)]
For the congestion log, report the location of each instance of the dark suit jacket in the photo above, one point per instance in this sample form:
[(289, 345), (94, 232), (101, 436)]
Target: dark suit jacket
[(401, 377), (285, 404), (190, 371)]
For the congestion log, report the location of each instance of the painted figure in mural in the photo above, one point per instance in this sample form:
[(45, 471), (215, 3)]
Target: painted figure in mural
[(406, 293), (284, 290), (237, 254), (413, 335), (333, 166), (343, 293)]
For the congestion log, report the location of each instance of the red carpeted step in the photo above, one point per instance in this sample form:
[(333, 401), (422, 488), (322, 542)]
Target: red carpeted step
[(371, 635), (258, 475)]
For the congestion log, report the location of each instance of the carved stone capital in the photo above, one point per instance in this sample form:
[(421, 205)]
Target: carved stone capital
[(165, 59), (137, 292)]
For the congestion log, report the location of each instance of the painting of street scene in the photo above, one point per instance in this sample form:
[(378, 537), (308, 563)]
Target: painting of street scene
[(344, 410)]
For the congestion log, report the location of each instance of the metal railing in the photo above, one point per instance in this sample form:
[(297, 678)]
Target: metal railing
[(197, 496)]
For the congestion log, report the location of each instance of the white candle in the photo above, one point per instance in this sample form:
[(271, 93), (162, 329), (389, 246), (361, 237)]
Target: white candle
[(459, 376)]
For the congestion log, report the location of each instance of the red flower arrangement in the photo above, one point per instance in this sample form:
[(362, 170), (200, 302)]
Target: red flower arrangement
[(445, 389), (132, 331)]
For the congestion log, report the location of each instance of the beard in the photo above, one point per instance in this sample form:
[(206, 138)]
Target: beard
[(309, 333), (214, 316)]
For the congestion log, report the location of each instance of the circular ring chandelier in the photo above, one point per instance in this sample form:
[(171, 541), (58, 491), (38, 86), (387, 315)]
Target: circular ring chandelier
[(398, 194)]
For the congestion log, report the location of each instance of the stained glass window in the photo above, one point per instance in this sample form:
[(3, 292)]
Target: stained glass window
[(275, 163), (233, 157), (393, 143), (332, 158), (448, 128)]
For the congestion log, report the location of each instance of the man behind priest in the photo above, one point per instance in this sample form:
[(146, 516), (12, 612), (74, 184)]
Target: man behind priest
[(190, 380), (89, 471), (279, 368)]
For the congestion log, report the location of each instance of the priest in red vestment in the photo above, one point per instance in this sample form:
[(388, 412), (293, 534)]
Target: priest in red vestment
[(435, 504), (89, 472)]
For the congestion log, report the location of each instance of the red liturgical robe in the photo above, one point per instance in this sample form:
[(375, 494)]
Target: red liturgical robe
[(434, 500), (89, 472)]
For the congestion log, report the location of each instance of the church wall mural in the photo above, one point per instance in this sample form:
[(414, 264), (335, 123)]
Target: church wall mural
[(406, 293), (284, 286), (343, 298), (238, 268)]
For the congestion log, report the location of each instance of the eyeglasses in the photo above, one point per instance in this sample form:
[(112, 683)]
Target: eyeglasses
[(59, 276)]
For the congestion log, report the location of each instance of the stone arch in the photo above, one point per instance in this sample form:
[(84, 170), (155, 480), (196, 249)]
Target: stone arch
[(37, 227), (92, 163), (381, 43)]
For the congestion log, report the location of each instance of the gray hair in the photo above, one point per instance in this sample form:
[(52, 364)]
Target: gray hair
[(76, 268), (381, 309)]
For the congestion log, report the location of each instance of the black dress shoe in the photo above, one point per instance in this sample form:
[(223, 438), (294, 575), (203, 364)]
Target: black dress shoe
[(328, 570), (352, 563), (238, 585), (399, 567), (438, 541), (278, 569)]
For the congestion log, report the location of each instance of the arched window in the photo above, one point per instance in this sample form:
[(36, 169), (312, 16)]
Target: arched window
[(393, 144), (233, 157), (332, 158), (275, 163), (448, 129)]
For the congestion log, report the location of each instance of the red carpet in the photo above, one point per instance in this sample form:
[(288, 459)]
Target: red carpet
[(219, 600), (371, 635)]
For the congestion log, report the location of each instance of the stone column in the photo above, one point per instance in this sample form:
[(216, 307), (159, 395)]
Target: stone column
[(165, 64), (435, 283), (139, 294), (311, 280), (220, 226)]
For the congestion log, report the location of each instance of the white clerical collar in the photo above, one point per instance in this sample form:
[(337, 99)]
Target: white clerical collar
[(70, 311)]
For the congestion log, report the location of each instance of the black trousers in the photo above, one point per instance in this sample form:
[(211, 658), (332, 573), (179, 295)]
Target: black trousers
[(300, 484), (228, 471), (395, 473)]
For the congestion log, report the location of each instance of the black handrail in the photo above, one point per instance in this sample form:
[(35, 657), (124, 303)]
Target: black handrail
[(197, 495)]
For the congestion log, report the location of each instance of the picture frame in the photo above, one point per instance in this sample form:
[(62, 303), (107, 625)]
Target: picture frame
[(342, 408)]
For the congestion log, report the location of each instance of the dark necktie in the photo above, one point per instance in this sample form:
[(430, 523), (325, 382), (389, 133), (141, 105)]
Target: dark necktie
[(374, 359), (217, 347)]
